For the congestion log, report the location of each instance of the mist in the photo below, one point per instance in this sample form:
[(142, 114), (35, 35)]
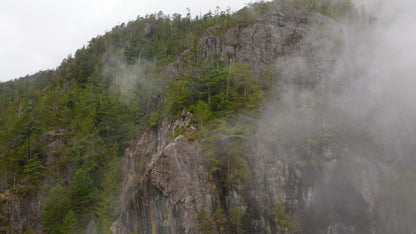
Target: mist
[(352, 137)]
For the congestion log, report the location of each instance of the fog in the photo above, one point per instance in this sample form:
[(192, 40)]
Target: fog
[(356, 129)]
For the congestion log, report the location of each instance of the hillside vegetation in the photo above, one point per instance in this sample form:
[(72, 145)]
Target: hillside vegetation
[(63, 132)]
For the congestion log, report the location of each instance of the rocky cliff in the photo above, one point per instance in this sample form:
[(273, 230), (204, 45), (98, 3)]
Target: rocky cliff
[(315, 168), (166, 183), (299, 44), (14, 210), (319, 150)]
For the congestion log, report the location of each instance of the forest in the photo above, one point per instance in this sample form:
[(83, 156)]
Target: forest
[(63, 132)]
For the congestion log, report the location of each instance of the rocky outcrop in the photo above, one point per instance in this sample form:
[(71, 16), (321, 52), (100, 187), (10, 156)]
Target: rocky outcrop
[(21, 205), (322, 194), (20, 213), (165, 183), (300, 45), (311, 170)]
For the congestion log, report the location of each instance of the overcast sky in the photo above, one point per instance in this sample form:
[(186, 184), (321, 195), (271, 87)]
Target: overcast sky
[(37, 35)]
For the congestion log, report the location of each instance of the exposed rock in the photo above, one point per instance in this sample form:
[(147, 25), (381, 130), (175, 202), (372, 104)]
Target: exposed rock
[(51, 152), (53, 135), (20, 213), (300, 45), (320, 187), (55, 143), (326, 188), (148, 30), (165, 184), (91, 227), (172, 71)]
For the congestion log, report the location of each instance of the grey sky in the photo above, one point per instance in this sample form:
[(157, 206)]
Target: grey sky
[(37, 35)]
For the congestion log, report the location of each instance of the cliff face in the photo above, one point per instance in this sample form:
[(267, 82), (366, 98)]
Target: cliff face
[(20, 213), (165, 183), (299, 44), (316, 167), (314, 147)]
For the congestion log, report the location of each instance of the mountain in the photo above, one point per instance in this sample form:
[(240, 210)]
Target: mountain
[(259, 121)]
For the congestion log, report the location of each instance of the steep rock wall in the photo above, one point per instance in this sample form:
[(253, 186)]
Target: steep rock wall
[(165, 185), (18, 213), (302, 46), (304, 180)]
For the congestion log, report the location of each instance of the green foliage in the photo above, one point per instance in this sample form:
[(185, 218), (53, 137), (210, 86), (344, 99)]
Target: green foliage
[(282, 218), (249, 92), (224, 145), (332, 8), (3, 221), (225, 89), (201, 113), (179, 131), (204, 224), (103, 97), (239, 170), (70, 223), (251, 12), (236, 219), (29, 232), (219, 217), (153, 119), (217, 222), (34, 171), (109, 205), (55, 208), (82, 194)]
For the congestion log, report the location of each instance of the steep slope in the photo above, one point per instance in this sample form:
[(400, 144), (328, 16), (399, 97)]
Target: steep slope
[(294, 41), (302, 46), (267, 120), (165, 185), (305, 162)]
